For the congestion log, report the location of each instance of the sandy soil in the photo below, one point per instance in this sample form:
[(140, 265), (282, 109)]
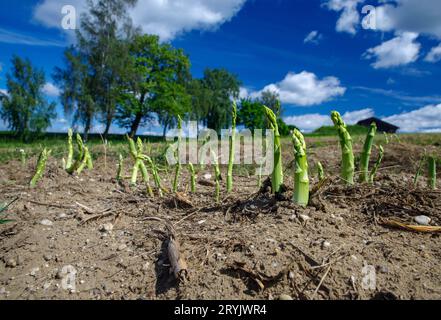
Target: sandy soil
[(248, 247)]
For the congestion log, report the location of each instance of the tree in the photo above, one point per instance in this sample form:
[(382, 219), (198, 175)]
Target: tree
[(200, 100), (284, 129), (105, 33), (25, 108), (170, 103), (75, 84), (251, 114), (220, 86), (154, 82), (271, 100)]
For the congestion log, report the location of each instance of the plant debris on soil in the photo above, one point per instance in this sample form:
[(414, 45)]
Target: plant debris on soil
[(114, 242)]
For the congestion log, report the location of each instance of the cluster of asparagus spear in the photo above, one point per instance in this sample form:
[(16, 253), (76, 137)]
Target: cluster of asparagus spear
[(143, 163), (83, 158)]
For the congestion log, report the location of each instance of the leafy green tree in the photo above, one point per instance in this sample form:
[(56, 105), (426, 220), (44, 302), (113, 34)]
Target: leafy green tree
[(220, 86), (25, 108), (75, 85), (155, 82), (106, 30), (170, 103), (251, 114), (284, 129)]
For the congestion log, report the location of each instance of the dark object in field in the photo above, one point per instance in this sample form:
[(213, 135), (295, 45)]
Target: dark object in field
[(178, 265), (207, 183), (382, 126)]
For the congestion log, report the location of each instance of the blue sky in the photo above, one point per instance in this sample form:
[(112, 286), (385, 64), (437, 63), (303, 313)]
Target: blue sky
[(316, 54)]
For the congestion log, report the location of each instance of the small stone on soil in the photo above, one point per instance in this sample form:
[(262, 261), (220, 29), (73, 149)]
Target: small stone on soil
[(122, 247), (384, 269), (107, 227), (423, 220), (11, 263), (326, 244), (47, 257), (285, 297), (34, 271), (46, 222), (62, 216)]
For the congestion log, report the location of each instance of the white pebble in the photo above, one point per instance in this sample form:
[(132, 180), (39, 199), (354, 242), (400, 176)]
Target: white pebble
[(326, 244), (304, 217), (34, 271), (423, 220), (107, 227), (122, 247), (46, 222)]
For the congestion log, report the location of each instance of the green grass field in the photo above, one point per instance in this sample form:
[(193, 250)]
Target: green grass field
[(10, 146)]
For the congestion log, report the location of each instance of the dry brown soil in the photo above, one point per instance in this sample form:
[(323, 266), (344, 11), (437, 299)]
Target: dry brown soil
[(251, 246)]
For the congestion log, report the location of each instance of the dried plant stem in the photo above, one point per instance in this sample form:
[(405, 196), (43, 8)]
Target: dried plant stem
[(178, 164), (432, 173), (217, 175), (231, 151)]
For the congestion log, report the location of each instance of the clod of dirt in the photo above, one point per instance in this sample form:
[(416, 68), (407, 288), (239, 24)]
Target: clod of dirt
[(11, 263)]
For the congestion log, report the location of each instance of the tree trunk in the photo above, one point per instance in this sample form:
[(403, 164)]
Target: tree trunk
[(106, 131), (87, 126), (164, 132), (135, 125)]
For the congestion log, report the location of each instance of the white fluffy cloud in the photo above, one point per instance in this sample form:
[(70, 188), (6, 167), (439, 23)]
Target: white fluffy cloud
[(310, 122), (434, 55), (244, 93), (4, 92), (170, 18), (401, 50), (313, 37), (349, 17), (51, 90), (418, 16), (304, 89), (167, 19), (426, 119)]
